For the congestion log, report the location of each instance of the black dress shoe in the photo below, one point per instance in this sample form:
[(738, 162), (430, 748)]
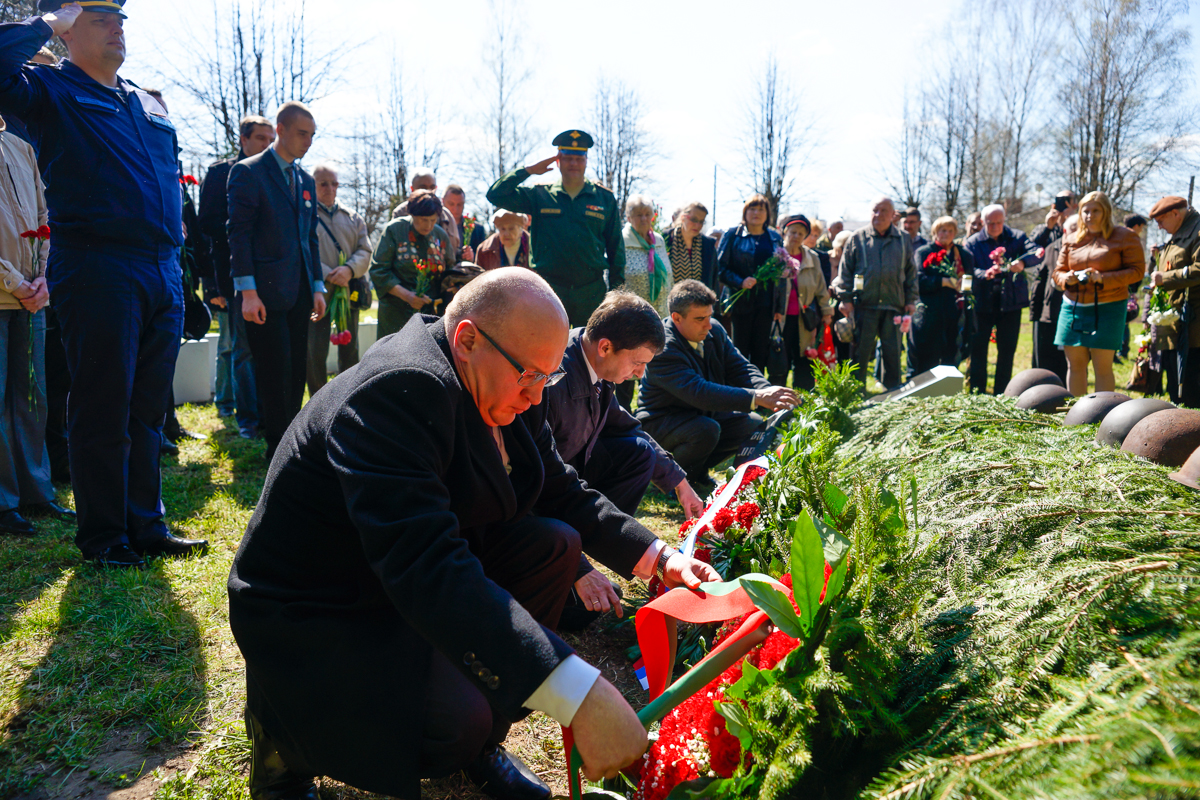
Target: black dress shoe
[(167, 448), (170, 546), (11, 521), (51, 509), (119, 556), (180, 434), (500, 774), (270, 777)]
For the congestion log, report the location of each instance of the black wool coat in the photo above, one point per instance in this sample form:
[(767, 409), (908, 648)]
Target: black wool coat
[(359, 559)]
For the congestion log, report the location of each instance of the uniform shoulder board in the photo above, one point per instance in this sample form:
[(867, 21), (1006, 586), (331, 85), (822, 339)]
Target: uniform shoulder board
[(600, 185)]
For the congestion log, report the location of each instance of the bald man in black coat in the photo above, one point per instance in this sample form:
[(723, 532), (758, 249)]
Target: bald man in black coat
[(394, 596)]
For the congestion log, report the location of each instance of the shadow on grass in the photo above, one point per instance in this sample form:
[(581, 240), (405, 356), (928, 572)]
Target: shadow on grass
[(123, 675)]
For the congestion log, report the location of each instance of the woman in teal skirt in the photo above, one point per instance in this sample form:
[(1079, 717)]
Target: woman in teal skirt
[(408, 263), (1099, 261)]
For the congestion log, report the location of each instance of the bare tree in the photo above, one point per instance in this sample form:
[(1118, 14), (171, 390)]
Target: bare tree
[(910, 176), (1123, 116), (260, 55), (507, 135), (388, 143), (623, 150), (775, 139)]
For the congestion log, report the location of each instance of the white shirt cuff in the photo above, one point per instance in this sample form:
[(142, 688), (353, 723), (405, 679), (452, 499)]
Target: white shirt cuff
[(644, 568), (563, 691)]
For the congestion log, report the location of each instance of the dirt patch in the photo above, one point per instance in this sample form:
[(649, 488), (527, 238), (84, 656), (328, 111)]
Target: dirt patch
[(125, 770)]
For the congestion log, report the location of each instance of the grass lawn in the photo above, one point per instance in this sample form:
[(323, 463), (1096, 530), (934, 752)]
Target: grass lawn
[(129, 685)]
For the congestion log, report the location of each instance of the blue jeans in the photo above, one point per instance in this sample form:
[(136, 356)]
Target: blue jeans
[(121, 312), (245, 389), (24, 464), (224, 395)]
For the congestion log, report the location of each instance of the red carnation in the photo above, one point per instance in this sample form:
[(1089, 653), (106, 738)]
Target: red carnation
[(29, 235), (746, 514), (998, 255), (703, 554), (43, 232), (189, 180), (723, 520), (752, 474), (686, 526)]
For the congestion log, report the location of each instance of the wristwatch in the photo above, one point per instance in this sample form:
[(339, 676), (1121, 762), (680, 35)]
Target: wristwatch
[(664, 556)]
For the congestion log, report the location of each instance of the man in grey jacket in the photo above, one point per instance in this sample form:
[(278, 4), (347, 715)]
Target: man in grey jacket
[(888, 288)]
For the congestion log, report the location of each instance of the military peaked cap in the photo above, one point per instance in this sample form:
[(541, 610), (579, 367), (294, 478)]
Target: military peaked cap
[(573, 141), (107, 6)]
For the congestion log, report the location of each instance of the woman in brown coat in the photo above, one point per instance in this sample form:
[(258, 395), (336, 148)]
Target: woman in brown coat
[(1094, 271), (804, 287)]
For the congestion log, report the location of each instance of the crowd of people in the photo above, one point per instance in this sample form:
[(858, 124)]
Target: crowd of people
[(491, 445)]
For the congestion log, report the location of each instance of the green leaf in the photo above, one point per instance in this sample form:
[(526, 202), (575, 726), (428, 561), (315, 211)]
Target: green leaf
[(834, 546), (836, 499), (776, 568), (836, 579), (778, 608), (605, 793), (891, 512), (712, 788), (737, 722), (808, 567)]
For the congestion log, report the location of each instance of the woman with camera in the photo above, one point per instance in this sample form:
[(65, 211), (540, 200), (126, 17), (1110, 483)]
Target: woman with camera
[(1094, 270)]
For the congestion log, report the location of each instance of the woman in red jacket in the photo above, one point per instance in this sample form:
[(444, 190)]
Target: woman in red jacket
[(1094, 271)]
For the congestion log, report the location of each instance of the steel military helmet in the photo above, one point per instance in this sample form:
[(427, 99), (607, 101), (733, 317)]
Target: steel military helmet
[(1045, 397), (1117, 423), (1028, 378), (1093, 407), (105, 6), (1166, 438)]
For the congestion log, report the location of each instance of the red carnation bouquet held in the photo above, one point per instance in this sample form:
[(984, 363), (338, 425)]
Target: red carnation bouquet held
[(35, 239), (339, 310), (428, 270)]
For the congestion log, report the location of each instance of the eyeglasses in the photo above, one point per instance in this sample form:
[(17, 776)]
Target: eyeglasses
[(527, 377)]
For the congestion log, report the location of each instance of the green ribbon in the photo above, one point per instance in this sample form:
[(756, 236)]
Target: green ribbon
[(656, 276)]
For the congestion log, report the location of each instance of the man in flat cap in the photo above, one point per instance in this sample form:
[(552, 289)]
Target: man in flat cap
[(1178, 272), (576, 227), (108, 156)]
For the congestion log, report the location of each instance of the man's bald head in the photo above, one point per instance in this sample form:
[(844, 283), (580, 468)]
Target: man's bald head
[(500, 297), (505, 328)]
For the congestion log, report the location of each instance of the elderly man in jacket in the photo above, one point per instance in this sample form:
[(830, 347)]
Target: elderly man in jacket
[(345, 255), (1178, 272), (698, 398), (878, 275), (419, 530), (1001, 291)]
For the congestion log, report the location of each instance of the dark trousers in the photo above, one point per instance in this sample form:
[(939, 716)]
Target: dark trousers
[(935, 340), (620, 469), (245, 388), (58, 386), (698, 442), (24, 465), (121, 312), (801, 367), (318, 350), (535, 560), (1046, 354), (877, 325), (752, 334), (1186, 391), (280, 349), (1007, 325)]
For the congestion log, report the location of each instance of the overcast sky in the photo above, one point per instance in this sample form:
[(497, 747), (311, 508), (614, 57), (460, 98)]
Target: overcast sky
[(694, 63)]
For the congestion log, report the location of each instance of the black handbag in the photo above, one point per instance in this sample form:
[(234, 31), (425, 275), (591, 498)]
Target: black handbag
[(197, 318), (810, 315), (777, 360)]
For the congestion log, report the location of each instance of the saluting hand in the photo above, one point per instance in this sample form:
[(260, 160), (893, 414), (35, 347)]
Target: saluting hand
[(542, 167), (61, 21)]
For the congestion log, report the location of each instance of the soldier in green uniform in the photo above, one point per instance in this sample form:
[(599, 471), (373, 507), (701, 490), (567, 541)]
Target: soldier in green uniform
[(576, 227)]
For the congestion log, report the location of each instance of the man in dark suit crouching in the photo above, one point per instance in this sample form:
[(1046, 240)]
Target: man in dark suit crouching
[(275, 262), (395, 597)]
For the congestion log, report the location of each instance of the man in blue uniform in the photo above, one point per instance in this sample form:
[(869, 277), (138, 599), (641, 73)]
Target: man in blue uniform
[(107, 153)]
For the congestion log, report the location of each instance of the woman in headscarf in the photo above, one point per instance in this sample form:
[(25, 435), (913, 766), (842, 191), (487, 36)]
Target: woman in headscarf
[(647, 263), (408, 263)]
